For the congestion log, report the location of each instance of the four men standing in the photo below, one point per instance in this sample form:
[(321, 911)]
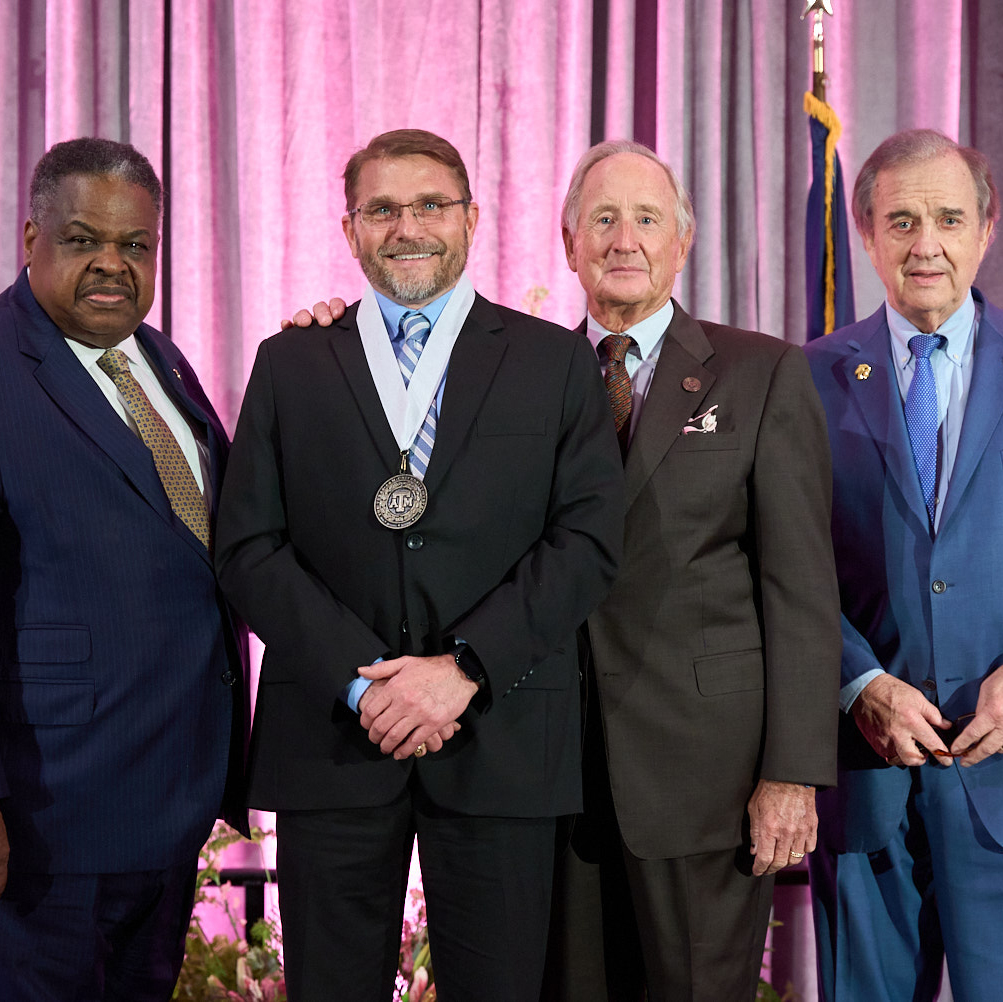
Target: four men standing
[(423, 505)]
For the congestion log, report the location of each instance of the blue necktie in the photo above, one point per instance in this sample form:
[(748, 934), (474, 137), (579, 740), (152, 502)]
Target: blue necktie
[(921, 416), (412, 333)]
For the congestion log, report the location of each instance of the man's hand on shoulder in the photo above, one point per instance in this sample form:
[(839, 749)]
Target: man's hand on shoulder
[(898, 721), (324, 313), (418, 702), (782, 824)]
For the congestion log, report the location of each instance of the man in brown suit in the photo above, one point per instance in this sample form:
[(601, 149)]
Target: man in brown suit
[(714, 661)]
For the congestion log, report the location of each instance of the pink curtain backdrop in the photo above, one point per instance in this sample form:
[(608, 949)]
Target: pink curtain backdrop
[(249, 109)]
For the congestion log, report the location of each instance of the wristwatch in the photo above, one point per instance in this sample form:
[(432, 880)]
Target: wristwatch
[(468, 663)]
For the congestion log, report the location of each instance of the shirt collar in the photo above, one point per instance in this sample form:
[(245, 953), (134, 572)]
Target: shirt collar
[(647, 332), (89, 355), (392, 312), (958, 328)]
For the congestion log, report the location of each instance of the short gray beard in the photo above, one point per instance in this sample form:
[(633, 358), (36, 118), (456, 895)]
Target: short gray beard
[(416, 290)]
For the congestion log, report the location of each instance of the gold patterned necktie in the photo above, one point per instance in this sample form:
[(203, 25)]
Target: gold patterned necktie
[(618, 386), (175, 474)]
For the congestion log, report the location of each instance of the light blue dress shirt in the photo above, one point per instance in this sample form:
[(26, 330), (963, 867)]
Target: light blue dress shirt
[(952, 370), (392, 313)]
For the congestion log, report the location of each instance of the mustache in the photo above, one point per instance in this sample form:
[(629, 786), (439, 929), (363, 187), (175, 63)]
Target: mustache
[(412, 247), (117, 287)]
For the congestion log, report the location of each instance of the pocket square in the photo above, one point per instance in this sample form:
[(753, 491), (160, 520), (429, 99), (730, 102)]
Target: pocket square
[(707, 422)]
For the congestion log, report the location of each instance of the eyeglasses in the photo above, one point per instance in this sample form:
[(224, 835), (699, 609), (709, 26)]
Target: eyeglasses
[(426, 210)]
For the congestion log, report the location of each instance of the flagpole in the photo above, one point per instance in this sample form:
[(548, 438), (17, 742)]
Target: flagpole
[(829, 288), (818, 78)]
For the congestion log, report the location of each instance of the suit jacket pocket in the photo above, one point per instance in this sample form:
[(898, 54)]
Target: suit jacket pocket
[(46, 701), (696, 441), (739, 671), (41, 645)]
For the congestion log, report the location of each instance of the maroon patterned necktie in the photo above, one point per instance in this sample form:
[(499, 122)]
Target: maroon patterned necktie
[(618, 385), (176, 475)]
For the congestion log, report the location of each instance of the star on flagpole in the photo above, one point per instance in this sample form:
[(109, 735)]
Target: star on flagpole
[(818, 5)]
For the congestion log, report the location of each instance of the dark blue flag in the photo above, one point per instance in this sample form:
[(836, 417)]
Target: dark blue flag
[(829, 279)]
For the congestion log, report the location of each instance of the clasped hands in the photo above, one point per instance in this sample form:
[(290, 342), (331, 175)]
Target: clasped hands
[(902, 725), (414, 701)]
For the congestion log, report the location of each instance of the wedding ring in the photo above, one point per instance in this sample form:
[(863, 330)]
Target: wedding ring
[(797, 855), (420, 750)]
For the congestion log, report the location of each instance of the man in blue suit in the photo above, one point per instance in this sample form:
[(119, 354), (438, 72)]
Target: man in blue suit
[(121, 696), (910, 857)]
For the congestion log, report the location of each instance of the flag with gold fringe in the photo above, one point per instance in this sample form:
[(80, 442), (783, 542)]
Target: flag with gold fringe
[(827, 237)]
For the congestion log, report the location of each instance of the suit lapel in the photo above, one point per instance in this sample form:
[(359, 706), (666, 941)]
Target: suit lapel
[(668, 405), (346, 345), (983, 413), (880, 402), (74, 391), (476, 356)]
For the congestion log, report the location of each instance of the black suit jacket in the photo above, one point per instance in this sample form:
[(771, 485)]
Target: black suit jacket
[(518, 544), (717, 650)]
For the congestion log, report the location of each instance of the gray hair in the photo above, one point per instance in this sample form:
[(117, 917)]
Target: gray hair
[(90, 156), (916, 146), (685, 220)]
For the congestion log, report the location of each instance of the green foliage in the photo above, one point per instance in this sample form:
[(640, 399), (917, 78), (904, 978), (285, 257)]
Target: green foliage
[(229, 967)]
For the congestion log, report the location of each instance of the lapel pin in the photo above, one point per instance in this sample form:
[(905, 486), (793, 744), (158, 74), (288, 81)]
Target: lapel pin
[(691, 384), (862, 371), (176, 373)]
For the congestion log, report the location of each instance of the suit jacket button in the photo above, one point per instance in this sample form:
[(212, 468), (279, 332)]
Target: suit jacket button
[(929, 684), (939, 587), (403, 626), (227, 677), (415, 541)]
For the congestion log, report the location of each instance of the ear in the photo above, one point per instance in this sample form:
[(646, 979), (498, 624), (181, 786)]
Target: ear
[(987, 238), (569, 248), (684, 251), (30, 234), (470, 218), (349, 230)]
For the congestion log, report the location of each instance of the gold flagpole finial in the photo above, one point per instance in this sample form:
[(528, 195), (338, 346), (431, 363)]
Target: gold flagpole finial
[(820, 7)]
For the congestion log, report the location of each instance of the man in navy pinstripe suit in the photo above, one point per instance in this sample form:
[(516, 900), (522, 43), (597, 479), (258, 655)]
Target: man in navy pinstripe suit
[(121, 695)]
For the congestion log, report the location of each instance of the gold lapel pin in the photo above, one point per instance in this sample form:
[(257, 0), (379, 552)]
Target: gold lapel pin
[(176, 373), (862, 371), (691, 384)]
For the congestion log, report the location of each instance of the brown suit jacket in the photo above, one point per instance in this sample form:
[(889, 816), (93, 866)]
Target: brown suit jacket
[(717, 652)]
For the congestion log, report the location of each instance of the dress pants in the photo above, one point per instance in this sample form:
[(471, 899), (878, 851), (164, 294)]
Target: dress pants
[(690, 929), (884, 920), (342, 878), (113, 937)]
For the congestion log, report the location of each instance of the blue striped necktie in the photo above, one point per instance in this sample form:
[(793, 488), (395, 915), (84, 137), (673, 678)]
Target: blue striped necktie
[(412, 333), (921, 416)]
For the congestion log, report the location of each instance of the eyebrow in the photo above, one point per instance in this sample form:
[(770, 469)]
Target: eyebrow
[(423, 195), (651, 210), (141, 232), (906, 214)]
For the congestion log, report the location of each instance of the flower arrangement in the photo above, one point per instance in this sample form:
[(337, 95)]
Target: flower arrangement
[(231, 968), (235, 968), (415, 977)]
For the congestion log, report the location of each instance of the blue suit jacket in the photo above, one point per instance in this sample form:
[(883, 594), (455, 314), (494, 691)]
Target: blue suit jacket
[(120, 667), (926, 609)]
